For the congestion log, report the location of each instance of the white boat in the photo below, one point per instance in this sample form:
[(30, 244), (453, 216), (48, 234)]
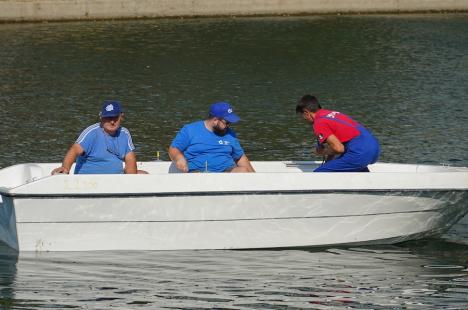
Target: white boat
[(284, 204)]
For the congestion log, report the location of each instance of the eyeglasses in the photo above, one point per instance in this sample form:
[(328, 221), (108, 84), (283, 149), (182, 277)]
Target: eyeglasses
[(225, 122)]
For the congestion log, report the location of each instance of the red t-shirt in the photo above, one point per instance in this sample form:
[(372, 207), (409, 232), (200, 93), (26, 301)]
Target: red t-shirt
[(328, 123)]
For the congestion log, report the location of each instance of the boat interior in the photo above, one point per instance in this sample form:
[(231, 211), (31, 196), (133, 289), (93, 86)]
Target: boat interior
[(25, 173)]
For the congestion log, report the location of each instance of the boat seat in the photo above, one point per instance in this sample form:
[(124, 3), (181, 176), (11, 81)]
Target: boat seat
[(33, 172)]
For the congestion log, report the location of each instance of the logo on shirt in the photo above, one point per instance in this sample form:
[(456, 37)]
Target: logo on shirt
[(223, 142), (332, 114), (110, 107)]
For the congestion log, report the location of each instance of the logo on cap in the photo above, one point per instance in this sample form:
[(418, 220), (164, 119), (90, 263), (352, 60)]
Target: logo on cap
[(111, 109), (229, 111)]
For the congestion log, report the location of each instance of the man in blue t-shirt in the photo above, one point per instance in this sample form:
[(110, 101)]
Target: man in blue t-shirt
[(102, 148), (210, 145)]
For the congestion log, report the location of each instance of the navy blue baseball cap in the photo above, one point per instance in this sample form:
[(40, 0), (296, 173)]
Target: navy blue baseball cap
[(223, 110), (111, 108)]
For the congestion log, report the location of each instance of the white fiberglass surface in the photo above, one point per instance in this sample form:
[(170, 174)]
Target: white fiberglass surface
[(208, 208), (17, 175)]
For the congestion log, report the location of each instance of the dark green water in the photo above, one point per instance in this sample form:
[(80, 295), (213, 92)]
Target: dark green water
[(405, 77)]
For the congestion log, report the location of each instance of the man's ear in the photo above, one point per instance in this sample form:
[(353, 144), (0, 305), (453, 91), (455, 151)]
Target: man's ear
[(122, 115)]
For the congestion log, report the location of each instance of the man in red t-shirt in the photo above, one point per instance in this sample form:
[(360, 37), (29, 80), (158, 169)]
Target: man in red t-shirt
[(354, 146)]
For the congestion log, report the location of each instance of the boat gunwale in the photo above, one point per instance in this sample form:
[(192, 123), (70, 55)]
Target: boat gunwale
[(224, 193), (293, 182)]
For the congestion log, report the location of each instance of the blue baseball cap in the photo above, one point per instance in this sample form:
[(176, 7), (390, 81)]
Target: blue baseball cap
[(111, 108), (223, 110)]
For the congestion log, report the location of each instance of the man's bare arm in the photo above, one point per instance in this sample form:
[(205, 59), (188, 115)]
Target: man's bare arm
[(70, 157), (130, 163), (178, 158)]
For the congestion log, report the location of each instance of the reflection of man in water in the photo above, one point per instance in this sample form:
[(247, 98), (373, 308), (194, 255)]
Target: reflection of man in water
[(210, 145), (103, 147), (354, 145)]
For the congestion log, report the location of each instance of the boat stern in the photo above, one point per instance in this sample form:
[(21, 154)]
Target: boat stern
[(8, 234)]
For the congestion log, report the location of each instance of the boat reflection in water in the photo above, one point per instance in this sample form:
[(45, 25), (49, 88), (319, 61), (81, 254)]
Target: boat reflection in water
[(283, 205), (8, 261)]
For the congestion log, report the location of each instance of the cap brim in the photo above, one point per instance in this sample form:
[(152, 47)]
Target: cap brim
[(110, 114), (232, 118)]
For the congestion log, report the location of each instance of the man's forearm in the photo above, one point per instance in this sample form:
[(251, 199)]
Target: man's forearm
[(130, 163), (70, 158), (175, 154), (178, 158)]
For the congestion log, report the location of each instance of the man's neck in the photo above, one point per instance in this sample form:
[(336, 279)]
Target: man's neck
[(209, 124)]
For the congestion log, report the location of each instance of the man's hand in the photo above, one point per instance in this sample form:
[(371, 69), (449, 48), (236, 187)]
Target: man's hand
[(332, 147), (74, 151), (178, 158), (181, 164), (243, 165), (320, 149), (60, 170)]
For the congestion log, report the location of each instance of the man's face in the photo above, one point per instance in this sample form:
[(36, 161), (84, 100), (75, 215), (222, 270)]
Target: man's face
[(221, 126), (111, 124), (308, 116)]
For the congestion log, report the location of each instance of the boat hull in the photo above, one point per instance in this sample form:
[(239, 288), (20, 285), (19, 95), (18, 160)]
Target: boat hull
[(230, 220), (283, 204)]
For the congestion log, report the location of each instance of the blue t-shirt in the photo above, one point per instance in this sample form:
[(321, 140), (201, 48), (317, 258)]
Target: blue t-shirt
[(103, 153), (206, 151)]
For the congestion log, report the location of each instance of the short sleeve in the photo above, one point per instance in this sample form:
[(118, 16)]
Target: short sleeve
[(322, 131), (237, 150), (129, 147), (182, 139), (87, 138)]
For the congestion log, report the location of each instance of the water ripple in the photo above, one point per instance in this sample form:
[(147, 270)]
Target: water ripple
[(335, 278)]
